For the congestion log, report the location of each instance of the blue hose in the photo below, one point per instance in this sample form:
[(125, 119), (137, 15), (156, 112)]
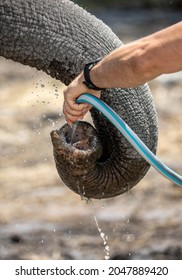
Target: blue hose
[(131, 136)]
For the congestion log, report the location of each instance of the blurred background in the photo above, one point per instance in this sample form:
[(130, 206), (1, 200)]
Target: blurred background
[(40, 218)]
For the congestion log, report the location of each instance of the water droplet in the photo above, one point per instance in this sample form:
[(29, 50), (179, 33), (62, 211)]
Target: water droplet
[(52, 122), (42, 241), (102, 204)]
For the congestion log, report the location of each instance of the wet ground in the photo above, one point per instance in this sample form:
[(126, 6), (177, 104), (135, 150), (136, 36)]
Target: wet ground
[(40, 217)]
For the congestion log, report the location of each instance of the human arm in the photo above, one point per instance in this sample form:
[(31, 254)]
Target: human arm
[(128, 66)]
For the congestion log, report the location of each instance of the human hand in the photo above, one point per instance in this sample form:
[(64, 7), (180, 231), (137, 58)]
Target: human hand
[(71, 109)]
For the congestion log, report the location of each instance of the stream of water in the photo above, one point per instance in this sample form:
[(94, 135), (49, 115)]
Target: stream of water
[(103, 236)]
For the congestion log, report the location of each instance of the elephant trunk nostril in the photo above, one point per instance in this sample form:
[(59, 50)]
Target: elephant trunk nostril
[(81, 136)]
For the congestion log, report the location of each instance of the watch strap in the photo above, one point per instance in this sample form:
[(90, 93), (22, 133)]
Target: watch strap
[(87, 80)]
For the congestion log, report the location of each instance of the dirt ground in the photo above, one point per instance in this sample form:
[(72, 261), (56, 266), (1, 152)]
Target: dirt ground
[(40, 218)]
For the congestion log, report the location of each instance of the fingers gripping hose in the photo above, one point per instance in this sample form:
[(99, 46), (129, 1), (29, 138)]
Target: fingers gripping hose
[(131, 136)]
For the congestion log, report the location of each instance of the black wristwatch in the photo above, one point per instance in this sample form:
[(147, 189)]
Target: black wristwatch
[(87, 82)]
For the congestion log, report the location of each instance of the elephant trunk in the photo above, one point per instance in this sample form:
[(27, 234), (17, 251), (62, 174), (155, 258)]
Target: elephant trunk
[(59, 37)]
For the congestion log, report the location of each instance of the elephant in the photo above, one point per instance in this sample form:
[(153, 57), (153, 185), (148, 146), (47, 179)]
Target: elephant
[(59, 37)]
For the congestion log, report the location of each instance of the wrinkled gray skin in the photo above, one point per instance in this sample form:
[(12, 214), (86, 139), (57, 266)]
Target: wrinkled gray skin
[(59, 37)]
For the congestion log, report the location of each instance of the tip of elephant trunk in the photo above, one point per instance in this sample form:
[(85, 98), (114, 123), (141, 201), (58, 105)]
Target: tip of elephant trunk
[(81, 136), (76, 148)]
